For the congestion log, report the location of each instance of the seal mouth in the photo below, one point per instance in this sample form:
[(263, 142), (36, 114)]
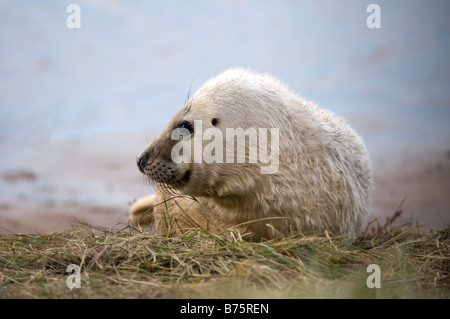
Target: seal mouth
[(180, 182), (186, 177)]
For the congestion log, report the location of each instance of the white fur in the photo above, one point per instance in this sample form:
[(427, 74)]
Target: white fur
[(324, 179)]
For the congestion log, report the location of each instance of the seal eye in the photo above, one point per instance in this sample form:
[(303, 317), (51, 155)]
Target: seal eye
[(186, 126)]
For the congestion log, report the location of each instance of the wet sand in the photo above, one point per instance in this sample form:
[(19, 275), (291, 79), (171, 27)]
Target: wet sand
[(421, 181)]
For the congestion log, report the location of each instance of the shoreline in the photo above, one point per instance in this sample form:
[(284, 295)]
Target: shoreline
[(38, 203)]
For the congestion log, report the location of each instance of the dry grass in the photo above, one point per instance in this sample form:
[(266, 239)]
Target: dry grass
[(131, 264)]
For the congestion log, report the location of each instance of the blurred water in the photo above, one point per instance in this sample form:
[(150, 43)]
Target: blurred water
[(73, 101)]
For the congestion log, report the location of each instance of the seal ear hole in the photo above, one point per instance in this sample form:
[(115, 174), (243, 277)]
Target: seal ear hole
[(214, 121)]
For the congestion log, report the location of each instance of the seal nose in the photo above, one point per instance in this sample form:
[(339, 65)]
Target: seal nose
[(142, 161)]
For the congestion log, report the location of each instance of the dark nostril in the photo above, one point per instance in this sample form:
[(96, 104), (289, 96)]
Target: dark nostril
[(142, 161)]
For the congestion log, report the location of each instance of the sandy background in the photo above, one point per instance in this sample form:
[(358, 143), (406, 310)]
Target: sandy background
[(78, 105)]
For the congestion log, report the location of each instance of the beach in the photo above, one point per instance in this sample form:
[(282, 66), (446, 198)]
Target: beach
[(78, 105)]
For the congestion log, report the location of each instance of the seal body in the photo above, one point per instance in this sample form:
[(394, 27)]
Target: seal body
[(310, 170)]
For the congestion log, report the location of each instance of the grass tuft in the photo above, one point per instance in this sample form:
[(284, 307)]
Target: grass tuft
[(133, 264)]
